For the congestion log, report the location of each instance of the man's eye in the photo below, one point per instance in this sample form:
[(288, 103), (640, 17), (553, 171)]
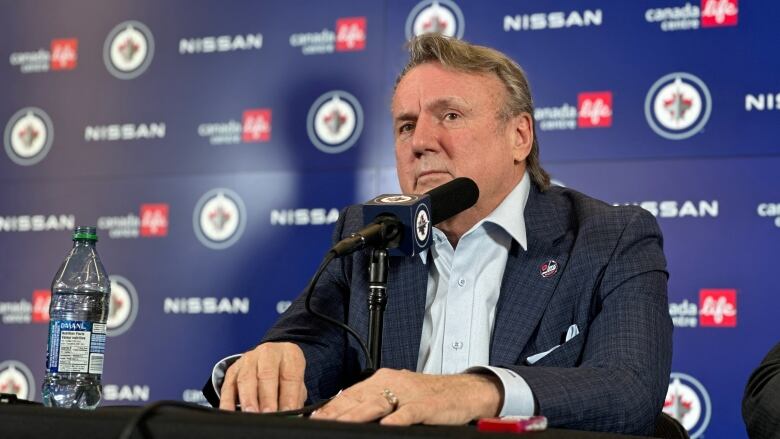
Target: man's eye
[(405, 128), (452, 116)]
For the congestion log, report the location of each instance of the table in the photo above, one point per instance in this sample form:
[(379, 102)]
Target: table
[(35, 421)]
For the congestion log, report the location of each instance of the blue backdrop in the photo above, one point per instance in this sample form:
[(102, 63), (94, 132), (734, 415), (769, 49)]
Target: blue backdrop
[(213, 144)]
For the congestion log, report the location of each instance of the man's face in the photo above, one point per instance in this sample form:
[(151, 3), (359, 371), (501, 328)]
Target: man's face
[(446, 126)]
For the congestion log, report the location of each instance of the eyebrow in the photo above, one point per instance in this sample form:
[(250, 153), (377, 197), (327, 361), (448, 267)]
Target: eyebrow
[(438, 104)]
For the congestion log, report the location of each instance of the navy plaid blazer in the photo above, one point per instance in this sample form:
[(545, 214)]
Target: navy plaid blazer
[(761, 402), (611, 282)]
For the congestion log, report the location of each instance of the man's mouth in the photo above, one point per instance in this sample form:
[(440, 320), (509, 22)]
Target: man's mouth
[(427, 173)]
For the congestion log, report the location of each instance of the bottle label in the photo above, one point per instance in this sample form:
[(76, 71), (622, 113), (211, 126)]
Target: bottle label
[(76, 346)]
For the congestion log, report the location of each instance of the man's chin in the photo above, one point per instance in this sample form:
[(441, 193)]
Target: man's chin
[(431, 181)]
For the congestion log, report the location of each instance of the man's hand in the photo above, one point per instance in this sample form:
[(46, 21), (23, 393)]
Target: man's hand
[(420, 399), (266, 379)]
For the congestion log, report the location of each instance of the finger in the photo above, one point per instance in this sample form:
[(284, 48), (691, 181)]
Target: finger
[(407, 414), (227, 398), (268, 386), (290, 382), (342, 403), (246, 382), (367, 411), (302, 396)]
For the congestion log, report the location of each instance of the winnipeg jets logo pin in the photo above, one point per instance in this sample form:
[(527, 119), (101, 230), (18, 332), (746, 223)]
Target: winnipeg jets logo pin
[(548, 269)]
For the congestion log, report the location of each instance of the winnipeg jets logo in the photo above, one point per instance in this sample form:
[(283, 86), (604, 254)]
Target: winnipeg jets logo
[(123, 306), (687, 401), (678, 106), (335, 122), (422, 225), (439, 16), (394, 199), (219, 218), (28, 136), (548, 269), (128, 49), (16, 378)]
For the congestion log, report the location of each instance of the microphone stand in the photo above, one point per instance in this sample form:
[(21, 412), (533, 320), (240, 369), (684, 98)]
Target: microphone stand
[(377, 299)]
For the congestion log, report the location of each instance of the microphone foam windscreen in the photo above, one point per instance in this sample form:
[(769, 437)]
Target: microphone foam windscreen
[(452, 198)]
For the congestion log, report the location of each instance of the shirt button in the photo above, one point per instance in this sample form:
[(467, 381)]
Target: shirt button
[(461, 282), (457, 345)]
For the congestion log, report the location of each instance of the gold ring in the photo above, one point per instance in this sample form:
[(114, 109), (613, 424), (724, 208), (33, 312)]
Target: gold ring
[(391, 399)]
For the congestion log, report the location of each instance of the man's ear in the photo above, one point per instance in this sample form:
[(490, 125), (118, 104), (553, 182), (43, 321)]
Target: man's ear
[(522, 135)]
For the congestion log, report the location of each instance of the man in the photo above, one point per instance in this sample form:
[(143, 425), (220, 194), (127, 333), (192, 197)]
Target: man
[(761, 402), (562, 295)]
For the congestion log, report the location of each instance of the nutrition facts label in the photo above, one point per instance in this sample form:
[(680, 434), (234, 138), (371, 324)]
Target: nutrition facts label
[(77, 346), (74, 351)]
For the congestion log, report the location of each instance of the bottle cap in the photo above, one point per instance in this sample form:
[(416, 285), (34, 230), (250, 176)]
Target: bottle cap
[(85, 232)]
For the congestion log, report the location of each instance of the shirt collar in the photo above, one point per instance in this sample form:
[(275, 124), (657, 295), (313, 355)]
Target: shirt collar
[(509, 215)]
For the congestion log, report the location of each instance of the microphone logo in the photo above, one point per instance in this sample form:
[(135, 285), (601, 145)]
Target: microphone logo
[(422, 225), (395, 199)]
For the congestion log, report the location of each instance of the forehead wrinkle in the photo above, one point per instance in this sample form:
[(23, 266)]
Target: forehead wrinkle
[(413, 95), (447, 102), (401, 111)]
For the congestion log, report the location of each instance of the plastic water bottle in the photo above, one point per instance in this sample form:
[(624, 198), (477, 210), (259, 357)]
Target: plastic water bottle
[(77, 330)]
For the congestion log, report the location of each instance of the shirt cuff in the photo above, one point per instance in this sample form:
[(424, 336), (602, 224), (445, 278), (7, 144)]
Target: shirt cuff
[(518, 397), (219, 370)]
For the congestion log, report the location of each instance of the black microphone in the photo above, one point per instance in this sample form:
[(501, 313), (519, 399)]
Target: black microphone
[(402, 223)]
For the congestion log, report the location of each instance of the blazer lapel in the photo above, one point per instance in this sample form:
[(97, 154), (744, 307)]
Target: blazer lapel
[(404, 313), (525, 288)]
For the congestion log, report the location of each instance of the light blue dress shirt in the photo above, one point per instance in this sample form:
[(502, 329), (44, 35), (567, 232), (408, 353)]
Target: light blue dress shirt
[(462, 293)]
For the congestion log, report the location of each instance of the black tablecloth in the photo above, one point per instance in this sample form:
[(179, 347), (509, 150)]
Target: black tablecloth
[(18, 421)]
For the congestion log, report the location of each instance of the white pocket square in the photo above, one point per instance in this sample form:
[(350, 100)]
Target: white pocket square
[(570, 333)]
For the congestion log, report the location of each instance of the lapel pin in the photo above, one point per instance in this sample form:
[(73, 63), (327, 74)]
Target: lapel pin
[(548, 269)]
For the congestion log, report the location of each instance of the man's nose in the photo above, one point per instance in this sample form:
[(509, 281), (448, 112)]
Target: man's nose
[(425, 137)]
